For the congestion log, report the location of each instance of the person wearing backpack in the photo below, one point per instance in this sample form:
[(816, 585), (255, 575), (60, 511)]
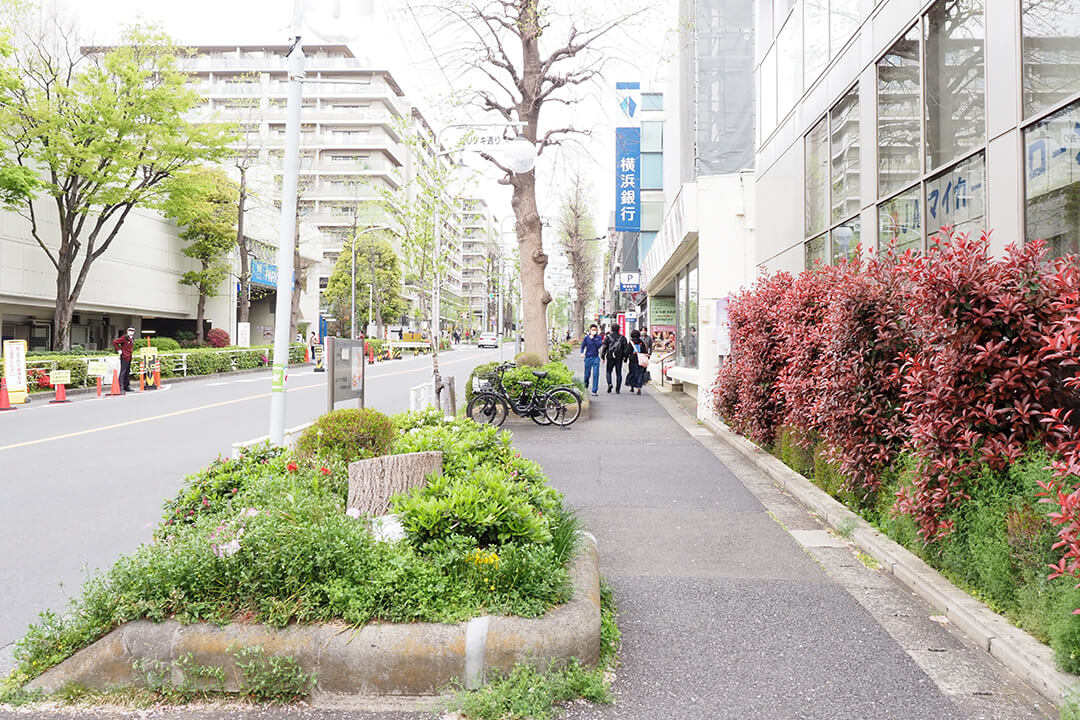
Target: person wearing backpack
[(614, 353), (638, 355)]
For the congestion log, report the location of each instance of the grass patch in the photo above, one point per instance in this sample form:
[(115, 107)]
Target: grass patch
[(266, 539), (526, 692)]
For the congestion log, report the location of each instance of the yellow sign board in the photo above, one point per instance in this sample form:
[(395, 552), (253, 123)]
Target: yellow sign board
[(97, 368), (60, 377), (148, 351), (15, 370)]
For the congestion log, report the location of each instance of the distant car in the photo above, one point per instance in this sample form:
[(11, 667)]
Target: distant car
[(488, 339)]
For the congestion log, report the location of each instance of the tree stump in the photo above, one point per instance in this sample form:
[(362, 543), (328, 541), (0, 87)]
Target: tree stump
[(374, 481)]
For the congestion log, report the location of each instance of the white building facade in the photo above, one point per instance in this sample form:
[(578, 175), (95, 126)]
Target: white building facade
[(888, 120), (704, 250)]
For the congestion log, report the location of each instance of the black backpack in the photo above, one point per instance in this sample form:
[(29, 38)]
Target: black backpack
[(617, 349)]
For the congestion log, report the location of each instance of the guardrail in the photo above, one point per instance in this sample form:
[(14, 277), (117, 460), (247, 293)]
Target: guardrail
[(173, 364), (666, 361)]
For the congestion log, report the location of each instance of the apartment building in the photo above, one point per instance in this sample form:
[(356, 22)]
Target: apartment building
[(480, 255)]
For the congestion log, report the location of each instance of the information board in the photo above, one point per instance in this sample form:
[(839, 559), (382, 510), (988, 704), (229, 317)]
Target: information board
[(60, 377), (15, 370), (345, 366)]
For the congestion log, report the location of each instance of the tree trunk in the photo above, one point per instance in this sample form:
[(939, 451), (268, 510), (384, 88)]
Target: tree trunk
[(534, 296), (245, 261), (63, 310), (200, 316)]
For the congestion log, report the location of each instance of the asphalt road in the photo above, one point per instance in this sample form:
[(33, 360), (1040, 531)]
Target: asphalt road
[(83, 483)]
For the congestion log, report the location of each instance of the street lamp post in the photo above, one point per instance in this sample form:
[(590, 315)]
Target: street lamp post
[(519, 162), (352, 316)]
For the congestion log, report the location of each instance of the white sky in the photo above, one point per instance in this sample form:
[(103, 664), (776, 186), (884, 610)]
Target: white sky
[(391, 37)]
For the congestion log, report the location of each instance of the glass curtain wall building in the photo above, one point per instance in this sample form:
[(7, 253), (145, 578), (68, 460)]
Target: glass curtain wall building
[(880, 125)]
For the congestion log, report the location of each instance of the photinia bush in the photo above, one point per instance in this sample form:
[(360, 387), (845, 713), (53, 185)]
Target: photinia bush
[(218, 338), (975, 390), (857, 395), (1061, 353), (746, 391), (800, 317)]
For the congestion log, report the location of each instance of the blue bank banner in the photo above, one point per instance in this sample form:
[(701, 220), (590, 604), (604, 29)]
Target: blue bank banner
[(627, 174), (263, 274)]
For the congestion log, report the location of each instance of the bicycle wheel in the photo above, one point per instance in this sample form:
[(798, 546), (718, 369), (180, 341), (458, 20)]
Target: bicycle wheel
[(538, 412), (487, 408), (562, 405)]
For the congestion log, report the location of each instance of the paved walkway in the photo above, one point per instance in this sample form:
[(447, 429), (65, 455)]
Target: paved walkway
[(735, 603), (725, 614)]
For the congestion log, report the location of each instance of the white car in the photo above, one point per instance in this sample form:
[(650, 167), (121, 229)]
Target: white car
[(488, 339)]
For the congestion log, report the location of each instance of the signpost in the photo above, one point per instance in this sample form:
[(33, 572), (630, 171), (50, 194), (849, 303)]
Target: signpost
[(345, 365), (243, 334), (149, 367), (319, 366), (629, 282), (15, 371)]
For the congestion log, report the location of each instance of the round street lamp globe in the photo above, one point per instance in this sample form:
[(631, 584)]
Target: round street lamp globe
[(520, 154)]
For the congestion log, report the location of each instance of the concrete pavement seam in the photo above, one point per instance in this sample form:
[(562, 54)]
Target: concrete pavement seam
[(1017, 650)]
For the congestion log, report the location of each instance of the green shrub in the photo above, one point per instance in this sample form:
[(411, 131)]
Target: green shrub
[(349, 434), (557, 374), (796, 450), (204, 362), (163, 344), (528, 359)]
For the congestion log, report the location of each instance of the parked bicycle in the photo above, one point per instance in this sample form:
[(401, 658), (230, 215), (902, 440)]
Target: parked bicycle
[(491, 402)]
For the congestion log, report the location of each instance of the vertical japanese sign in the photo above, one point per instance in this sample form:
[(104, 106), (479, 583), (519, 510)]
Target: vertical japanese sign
[(627, 190)]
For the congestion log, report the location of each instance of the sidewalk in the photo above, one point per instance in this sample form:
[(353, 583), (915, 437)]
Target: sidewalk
[(725, 614)]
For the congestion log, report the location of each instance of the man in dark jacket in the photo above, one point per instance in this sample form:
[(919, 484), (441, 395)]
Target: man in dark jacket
[(590, 348), (646, 338), (614, 353), (125, 344)]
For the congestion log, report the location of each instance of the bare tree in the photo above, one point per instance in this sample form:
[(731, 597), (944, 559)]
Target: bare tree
[(501, 40), (577, 235)]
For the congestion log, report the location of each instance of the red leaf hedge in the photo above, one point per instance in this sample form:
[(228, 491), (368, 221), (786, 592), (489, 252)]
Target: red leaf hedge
[(961, 358)]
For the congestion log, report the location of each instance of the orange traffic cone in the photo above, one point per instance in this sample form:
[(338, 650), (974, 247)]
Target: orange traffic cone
[(5, 401), (142, 381), (99, 386), (307, 357), (157, 377), (115, 390), (61, 395)]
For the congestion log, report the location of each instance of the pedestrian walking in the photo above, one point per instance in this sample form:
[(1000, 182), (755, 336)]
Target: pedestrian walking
[(614, 354), (638, 358), (590, 349), (312, 342), (125, 345), (646, 338)]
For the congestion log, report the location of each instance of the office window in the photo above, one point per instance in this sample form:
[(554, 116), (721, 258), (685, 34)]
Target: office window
[(844, 240), (767, 93), (957, 197), (1051, 51), (652, 215), (789, 74), (652, 101), (814, 252), (899, 115), (817, 178), (955, 81), (781, 8), (843, 19), (900, 221), (844, 151), (1052, 181), (652, 136), (815, 39), (652, 171)]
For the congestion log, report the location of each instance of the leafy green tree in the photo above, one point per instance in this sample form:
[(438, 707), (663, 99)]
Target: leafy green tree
[(376, 264), (104, 129), (204, 201)]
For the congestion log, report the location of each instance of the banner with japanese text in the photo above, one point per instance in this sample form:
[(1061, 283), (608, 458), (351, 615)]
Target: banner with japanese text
[(627, 187)]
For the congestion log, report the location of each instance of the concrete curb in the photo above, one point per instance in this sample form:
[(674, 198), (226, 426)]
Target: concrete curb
[(164, 381), (1018, 651), (377, 659)]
